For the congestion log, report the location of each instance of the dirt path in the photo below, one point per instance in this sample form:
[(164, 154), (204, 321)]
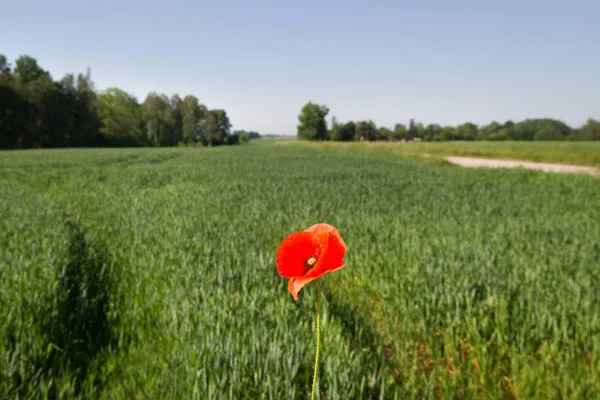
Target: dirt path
[(471, 162)]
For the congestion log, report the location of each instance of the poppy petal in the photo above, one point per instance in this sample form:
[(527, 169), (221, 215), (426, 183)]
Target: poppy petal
[(294, 251), (295, 284), (334, 256), (322, 232), (331, 258)]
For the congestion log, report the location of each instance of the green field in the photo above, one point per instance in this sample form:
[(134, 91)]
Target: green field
[(150, 273), (576, 153)]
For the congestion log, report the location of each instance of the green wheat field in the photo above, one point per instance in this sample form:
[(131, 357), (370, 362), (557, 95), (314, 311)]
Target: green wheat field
[(150, 273)]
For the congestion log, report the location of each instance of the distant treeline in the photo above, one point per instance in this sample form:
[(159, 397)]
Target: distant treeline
[(36, 111), (247, 135), (313, 126)]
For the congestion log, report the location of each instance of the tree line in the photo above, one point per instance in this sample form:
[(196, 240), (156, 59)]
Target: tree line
[(37, 111), (313, 126)]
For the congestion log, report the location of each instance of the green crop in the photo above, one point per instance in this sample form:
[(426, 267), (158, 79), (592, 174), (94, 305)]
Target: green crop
[(565, 152), (150, 273)]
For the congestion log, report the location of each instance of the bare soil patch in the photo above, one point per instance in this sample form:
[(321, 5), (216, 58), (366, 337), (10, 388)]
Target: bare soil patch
[(471, 162)]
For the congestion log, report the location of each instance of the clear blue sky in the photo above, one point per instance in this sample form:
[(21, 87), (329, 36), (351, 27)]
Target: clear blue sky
[(435, 61)]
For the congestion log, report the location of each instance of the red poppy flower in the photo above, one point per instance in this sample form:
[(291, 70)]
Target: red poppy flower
[(307, 255)]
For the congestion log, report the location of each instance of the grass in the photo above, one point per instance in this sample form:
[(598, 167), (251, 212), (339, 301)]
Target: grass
[(575, 153), (149, 273)]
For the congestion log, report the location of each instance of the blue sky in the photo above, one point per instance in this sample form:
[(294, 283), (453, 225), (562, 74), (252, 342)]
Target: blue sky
[(435, 61)]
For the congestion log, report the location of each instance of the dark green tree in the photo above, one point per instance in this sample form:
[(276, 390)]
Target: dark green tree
[(551, 129), (466, 131), (335, 133), (36, 111), (589, 131), (216, 128), (385, 133), (36, 86), (176, 104), (489, 130), (366, 130), (400, 132), (348, 131), (312, 124), (412, 131), (12, 107), (157, 115), (431, 132), (447, 133), (27, 70), (5, 71)]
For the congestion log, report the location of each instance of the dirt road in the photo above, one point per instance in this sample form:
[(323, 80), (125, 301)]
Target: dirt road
[(471, 162)]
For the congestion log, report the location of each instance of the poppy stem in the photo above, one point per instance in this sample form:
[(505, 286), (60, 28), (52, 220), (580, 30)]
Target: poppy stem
[(318, 338)]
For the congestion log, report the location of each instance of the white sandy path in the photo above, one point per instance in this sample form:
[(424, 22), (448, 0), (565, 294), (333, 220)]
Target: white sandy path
[(471, 162)]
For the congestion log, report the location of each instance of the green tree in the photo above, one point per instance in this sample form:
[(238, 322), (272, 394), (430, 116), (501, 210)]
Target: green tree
[(192, 114), (223, 123), (447, 133), (36, 111), (466, 131), (348, 131), (551, 129), (412, 131), (366, 130), (176, 104), (62, 122), (540, 129), (246, 135), (244, 138), (488, 130), (12, 108), (216, 128), (42, 113), (523, 130), (35, 85), (157, 115), (400, 132), (385, 133), (589, 131), (342, 132), (504, 133), (73, 119), (431, 132), (336, 130), (312, 124), (120, 114), (6, 76), (27, 70)]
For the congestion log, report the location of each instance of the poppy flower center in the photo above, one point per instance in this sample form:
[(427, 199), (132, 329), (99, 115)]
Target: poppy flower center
[(308, 264)]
